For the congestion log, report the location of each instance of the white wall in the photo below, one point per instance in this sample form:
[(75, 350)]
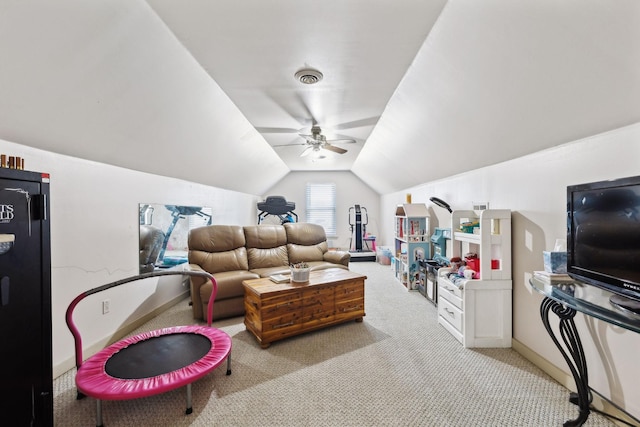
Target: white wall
[(534, 188), (94, 239), (350, 190)]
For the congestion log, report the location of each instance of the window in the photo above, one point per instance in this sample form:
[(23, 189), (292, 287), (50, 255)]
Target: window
[(321, 206)]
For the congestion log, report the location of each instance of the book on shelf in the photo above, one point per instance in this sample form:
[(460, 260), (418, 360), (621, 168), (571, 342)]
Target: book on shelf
[(554, 277), (280, 278)]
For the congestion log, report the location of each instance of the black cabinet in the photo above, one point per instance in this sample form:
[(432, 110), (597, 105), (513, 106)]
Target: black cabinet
[(26, 377)]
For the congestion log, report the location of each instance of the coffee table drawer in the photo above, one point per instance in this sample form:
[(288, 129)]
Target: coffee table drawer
[(281, 309), (275, 328), (350, 307), (349, 291), (317, 297), (317, 305), (281, 299)]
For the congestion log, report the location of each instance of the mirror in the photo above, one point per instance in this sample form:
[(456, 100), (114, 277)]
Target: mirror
[(164, 232)]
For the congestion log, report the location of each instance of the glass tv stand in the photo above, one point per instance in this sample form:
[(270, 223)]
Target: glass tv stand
[(565, 299)]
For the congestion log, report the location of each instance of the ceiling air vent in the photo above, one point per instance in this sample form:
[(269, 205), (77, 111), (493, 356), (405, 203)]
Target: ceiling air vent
[(308, 76)]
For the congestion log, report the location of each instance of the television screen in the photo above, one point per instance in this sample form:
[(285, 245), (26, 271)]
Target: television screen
[(603, 236)]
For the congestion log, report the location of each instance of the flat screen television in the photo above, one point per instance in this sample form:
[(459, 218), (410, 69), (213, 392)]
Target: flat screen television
[(603, 237)]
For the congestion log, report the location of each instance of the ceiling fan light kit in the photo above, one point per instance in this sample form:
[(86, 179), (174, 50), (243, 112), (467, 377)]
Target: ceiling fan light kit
[(308, 76), (317, 154)]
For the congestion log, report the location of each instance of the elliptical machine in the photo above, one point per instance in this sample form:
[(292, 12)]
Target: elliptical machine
[(358, 220)]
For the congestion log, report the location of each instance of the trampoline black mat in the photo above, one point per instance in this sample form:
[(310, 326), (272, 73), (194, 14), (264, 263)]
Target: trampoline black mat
[(157, 355)]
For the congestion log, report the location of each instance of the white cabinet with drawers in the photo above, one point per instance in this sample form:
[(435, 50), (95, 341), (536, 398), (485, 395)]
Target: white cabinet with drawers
[(477, 312)]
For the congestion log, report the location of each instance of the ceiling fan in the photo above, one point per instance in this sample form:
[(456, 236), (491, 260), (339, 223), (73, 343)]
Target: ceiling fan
[(317, 142)]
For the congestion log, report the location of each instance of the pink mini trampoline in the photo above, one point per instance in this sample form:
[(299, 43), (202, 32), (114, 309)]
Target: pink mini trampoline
[(151, 362)]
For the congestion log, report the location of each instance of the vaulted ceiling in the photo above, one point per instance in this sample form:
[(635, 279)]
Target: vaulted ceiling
[(204, 90)]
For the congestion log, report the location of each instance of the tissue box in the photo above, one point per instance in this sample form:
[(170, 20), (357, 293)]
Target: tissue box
[(555, 262)]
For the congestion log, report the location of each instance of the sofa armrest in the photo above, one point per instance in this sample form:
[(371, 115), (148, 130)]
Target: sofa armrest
[(338, 257), (196, 283)]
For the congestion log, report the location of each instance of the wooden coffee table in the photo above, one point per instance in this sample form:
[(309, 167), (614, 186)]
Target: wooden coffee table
[(274, 311)]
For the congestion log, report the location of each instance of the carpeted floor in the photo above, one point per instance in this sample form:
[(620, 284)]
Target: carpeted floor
[(397, 368)]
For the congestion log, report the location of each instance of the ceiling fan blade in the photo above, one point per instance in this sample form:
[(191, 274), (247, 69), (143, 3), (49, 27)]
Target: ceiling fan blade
[(371, 121), (276, 130), (342, 141), (306, 151), (305, 105), (339, 136), (290, 145), (334, 148), (291, 103)]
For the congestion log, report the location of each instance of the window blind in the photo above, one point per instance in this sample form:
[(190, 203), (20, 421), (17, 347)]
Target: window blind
[(321, 206)]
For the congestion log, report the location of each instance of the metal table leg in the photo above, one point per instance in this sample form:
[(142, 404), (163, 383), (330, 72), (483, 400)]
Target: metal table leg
[(576, 361)]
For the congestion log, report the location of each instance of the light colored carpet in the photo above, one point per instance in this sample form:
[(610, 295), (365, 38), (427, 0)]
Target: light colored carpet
[(397, 368)]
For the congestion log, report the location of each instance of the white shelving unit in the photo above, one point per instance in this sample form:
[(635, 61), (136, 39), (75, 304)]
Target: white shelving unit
[(412, 242), (478, 311)]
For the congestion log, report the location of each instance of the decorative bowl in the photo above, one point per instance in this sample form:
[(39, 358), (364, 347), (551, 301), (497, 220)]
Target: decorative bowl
[(300, 274)]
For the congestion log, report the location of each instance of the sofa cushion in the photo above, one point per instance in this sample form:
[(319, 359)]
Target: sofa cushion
[(212, 262), (269, 271), (304, 233), (264, 236), (267, 258), (301, 253), (216, 238), (266, 246), (218, 248), (306, 242), (323, 265)]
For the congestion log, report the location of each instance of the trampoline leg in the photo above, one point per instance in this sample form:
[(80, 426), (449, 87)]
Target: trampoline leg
[(229, 364), (189, 405), (98, 413)]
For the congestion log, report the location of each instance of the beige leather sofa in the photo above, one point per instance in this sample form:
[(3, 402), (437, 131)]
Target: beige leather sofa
[(233, 253)]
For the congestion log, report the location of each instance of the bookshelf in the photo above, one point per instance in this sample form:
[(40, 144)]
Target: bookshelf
[(412, 243)]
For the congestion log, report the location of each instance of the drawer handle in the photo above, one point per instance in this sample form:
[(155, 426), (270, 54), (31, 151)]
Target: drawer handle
[(344, 310), (450, 289), (449, 312), (283, 325)]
